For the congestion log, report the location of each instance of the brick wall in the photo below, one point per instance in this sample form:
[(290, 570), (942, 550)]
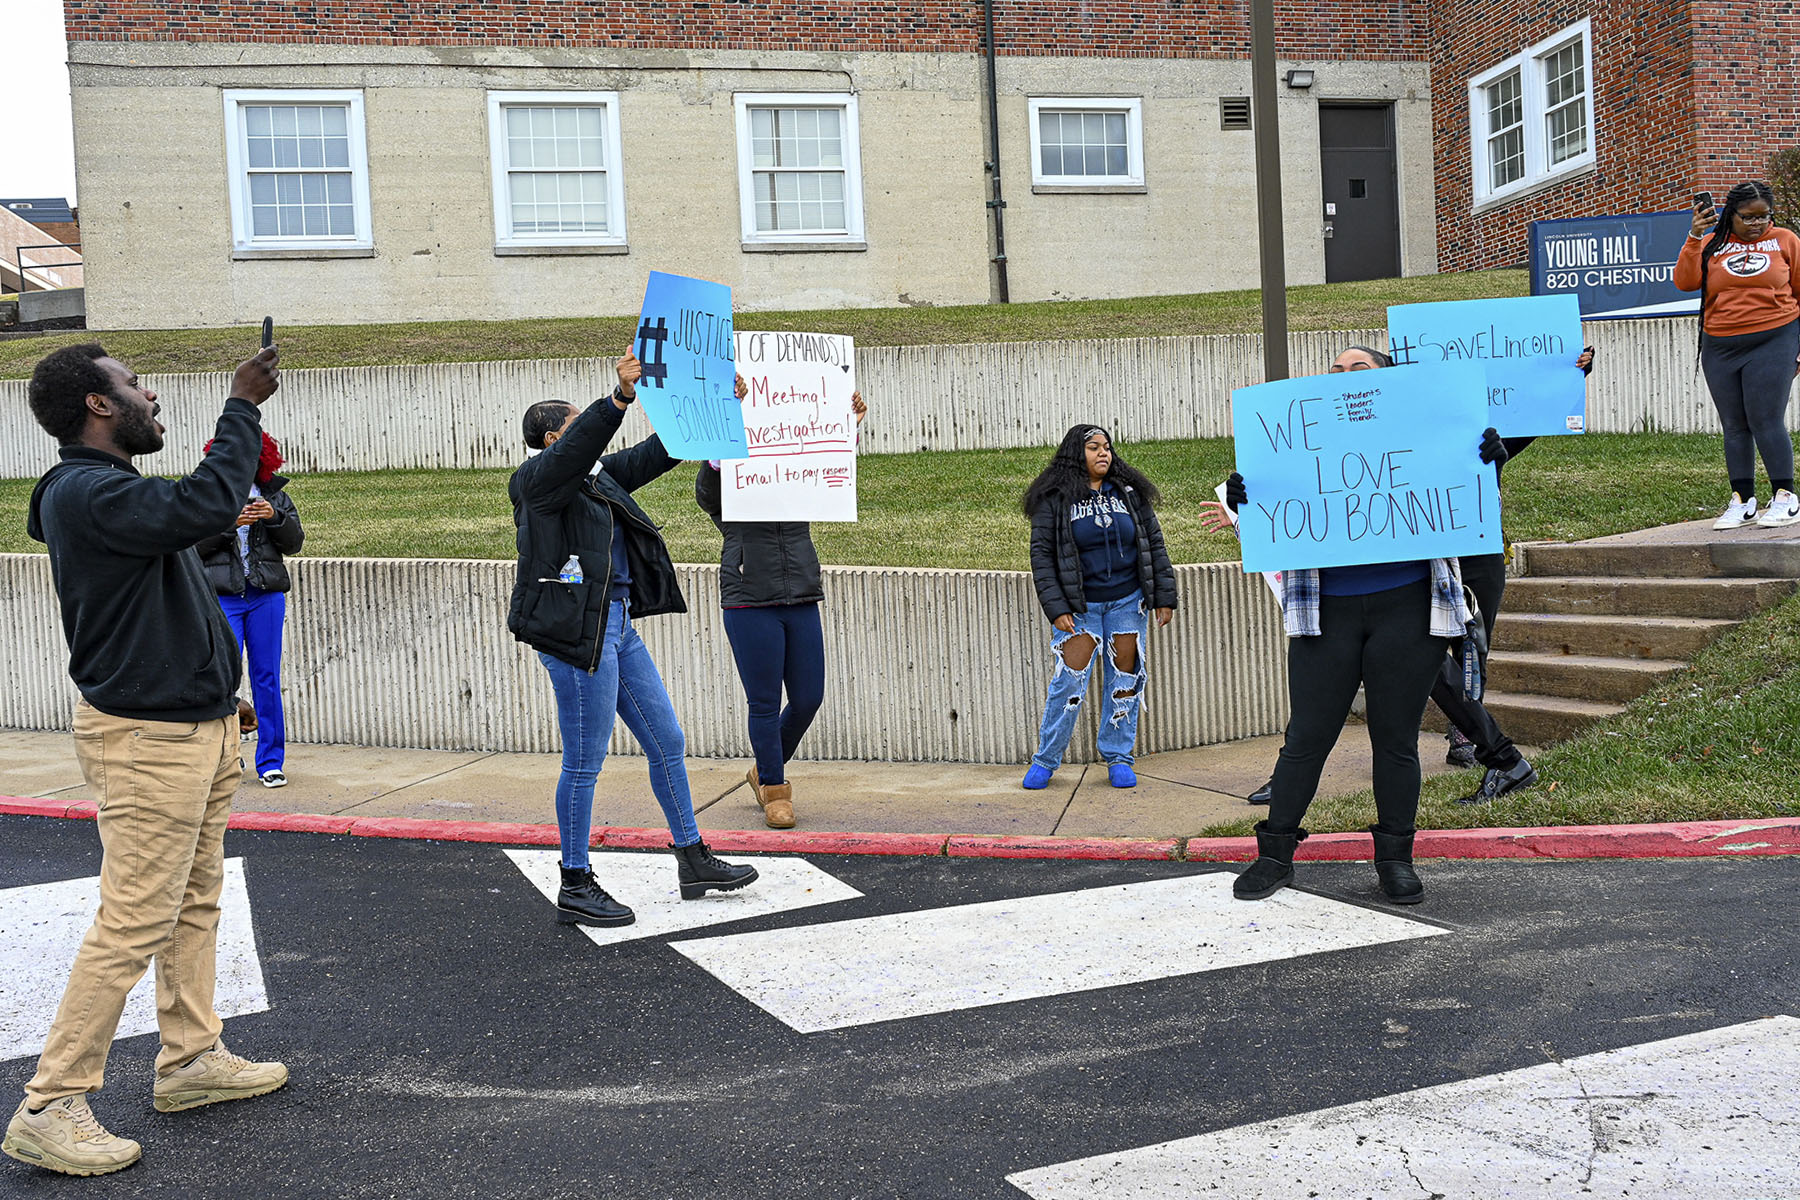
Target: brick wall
[(1322, 29), (1746, 88), (1643, 93)]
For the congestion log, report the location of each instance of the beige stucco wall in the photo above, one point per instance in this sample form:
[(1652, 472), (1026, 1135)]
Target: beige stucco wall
[(1193, 228), (150, 142)]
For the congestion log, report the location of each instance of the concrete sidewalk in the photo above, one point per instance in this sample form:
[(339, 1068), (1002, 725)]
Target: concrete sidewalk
[(1179, 794)]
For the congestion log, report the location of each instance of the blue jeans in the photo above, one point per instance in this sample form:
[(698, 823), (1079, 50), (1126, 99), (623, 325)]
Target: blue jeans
[(623, 682), (1124, 694), (780, 644), (256, 617)]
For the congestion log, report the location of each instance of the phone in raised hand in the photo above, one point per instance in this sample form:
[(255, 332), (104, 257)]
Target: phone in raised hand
[(268, 332)]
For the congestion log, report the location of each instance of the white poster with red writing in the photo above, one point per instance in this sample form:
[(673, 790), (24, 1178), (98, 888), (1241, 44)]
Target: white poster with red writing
[(799, 427)]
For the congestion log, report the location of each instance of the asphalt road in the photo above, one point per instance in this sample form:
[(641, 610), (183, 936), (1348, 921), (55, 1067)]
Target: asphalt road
[(448, 1038)]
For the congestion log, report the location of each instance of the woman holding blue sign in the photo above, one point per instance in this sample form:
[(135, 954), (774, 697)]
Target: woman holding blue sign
[(1384, 627), (591, 560), (770, 588), (1099, 565), (1747, 272)]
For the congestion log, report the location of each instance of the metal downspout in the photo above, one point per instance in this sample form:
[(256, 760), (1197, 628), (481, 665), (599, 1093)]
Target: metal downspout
[(996, 205)]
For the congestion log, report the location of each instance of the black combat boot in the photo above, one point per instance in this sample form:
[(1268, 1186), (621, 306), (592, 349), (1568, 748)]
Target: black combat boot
[(582, 901), (701, 872), (1394, 866), (1274, 865)]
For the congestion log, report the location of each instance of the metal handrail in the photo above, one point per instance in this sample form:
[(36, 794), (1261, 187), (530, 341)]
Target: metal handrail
[(19, 259)]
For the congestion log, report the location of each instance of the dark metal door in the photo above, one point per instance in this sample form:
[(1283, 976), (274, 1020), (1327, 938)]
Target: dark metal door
[(1362, 200)]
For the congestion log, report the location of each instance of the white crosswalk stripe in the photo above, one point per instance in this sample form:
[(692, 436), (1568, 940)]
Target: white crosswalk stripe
[(41, 927), (885, 968), (1711, 1114), (647, 883)]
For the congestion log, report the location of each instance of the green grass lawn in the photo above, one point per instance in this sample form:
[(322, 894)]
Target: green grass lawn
[(1321, 306), (1719, 741), (960, 509)]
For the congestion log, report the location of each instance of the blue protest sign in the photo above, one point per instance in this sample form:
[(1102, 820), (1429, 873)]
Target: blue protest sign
[(1365, 467), (689, 386), (1614, 266), (1528, 344)]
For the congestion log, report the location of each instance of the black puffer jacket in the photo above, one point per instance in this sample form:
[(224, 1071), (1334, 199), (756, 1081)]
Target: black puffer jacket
[(560, 509), (1056, 561), (763, 563), (269, 540)]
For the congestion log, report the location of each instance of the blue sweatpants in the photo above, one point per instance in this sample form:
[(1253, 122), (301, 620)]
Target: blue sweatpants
[(257, 617), (780, 645)]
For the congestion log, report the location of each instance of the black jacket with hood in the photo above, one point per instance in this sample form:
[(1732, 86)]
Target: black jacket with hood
[(1056, 560), (560, 509), (269, 541), (147, 638), (762, 563)]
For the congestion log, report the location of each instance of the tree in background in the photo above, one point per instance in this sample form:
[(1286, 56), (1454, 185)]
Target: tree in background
[(1784, 181)]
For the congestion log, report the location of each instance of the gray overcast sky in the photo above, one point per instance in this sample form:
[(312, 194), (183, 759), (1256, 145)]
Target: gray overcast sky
[(37, 144)]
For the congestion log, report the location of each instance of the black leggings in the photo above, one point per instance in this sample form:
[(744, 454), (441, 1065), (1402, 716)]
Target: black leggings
[(1750, 376), (1486, 576), (1382, 641)]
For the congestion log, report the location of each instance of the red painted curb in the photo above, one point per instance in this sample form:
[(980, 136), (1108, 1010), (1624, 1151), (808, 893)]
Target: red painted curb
[(1058, 847), (291, 822), (25, 806), (454, 831), (1752, 837), (781, 841)]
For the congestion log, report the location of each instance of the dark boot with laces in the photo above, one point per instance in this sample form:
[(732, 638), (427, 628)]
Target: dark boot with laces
[(1274, 865), (1394, 866), (703, 872), (582, 901)]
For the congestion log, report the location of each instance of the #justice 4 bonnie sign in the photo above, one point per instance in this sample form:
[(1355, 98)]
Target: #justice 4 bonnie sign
[(800, 430), (1365, 467)]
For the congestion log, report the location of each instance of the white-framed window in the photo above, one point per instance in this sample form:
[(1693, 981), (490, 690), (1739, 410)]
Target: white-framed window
[(299, 166), (799, 168), (1531, 118), (557, 175), (1087, 142)]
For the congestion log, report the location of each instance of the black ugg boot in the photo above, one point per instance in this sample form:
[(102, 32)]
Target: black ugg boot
[(582, 901), (1394, 866), (1274, 865), (702, 872)]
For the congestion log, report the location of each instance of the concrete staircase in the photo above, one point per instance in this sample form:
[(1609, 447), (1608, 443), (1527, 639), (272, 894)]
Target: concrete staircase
[(1589, 626)]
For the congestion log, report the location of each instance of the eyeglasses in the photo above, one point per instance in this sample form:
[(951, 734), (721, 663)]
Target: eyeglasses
[(1762, 219)]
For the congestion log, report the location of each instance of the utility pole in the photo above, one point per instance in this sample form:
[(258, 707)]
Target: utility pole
[(1268, 189)]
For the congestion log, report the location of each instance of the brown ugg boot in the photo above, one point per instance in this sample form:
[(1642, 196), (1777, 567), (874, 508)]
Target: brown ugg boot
[(755, 784), (778, 805)]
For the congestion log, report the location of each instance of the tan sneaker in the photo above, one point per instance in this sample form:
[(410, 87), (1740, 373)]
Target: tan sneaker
[(778, 805), (216, 1075), (66, 1136)]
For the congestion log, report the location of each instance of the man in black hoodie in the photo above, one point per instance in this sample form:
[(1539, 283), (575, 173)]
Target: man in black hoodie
[(156, 735)]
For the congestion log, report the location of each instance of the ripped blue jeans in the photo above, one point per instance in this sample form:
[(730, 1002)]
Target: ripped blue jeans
[(1122, 693)]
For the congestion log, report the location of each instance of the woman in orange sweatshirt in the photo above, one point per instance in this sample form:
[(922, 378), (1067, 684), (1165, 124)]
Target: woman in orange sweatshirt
[(1747, 272)]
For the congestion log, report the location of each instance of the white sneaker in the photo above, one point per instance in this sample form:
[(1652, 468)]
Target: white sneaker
[(273, 779), (1784, 509), (1737, 514)]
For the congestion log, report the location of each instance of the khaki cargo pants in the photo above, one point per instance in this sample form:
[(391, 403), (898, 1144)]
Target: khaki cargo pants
[(164, 792)]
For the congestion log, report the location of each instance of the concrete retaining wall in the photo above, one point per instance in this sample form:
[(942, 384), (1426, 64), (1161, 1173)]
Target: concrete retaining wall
[(922, 398), (923, 665)]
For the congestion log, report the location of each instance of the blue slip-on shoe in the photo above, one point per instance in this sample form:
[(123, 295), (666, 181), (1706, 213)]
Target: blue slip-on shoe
[(1120, 775), (1037, 778)]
